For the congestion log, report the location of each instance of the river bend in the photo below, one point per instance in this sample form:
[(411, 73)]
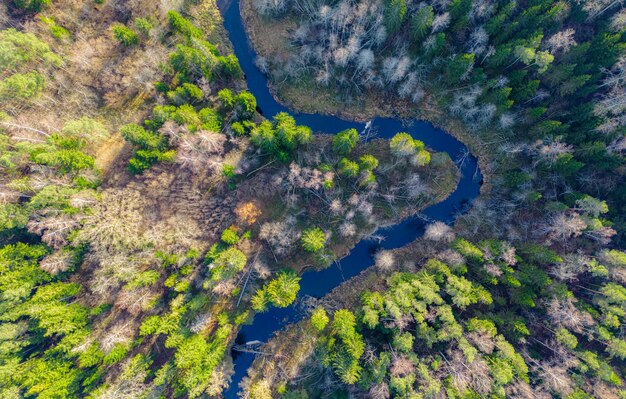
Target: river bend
[(319, 283)]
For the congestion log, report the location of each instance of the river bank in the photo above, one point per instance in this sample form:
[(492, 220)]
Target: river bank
[(319, 283), (270, 39)]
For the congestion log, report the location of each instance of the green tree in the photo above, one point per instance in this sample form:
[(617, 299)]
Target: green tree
[(289, 135), (144, 159), (260, 300), (144, 25), (19, 49), (181, 25), (395, 13), (141, 137), (228, 67), (264, 137), (319, 319), (186, 93), (421, 23), (422, 158), (459, 67), (368, 162), (465, 293), (245, 105), (280, 292), (54, 315), (194, 61), (543, 60), (85, 129), (566, 338), (20, 272), (125, 35), (345, 141), (345, 355), (227, 99), (32, 5), (228, 263), (49, 378), (21, 86), (211, 120), (152, 148), (403, 342), (469, 250), (403, 145), (230, 236), (66, 160), (196, 358), (348, 168), (313, 239), (280, 138), (613, 258), (525, 54), (367, 178), (13, 216)]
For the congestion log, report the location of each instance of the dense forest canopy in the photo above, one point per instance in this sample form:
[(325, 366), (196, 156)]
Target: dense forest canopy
[(545, 78), (148, 211), (540, 83)]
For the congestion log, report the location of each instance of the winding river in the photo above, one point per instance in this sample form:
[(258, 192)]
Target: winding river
[(319, 283)]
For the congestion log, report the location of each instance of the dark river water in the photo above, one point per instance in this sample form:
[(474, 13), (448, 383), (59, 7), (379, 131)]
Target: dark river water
[(319, 283)]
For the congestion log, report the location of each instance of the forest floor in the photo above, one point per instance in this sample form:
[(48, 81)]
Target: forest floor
[(270, 38)]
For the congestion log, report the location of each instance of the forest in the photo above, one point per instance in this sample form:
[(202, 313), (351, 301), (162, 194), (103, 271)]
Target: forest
[(376, 199)]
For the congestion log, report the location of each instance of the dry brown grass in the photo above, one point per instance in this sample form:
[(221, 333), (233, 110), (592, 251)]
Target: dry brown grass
[(271, 38)]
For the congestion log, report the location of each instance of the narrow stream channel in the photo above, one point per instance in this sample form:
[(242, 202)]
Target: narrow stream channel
[(318, 284)]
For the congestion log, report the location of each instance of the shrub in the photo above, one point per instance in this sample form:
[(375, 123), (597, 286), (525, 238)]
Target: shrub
[(181, 25), (125, 35), (143, 25)]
